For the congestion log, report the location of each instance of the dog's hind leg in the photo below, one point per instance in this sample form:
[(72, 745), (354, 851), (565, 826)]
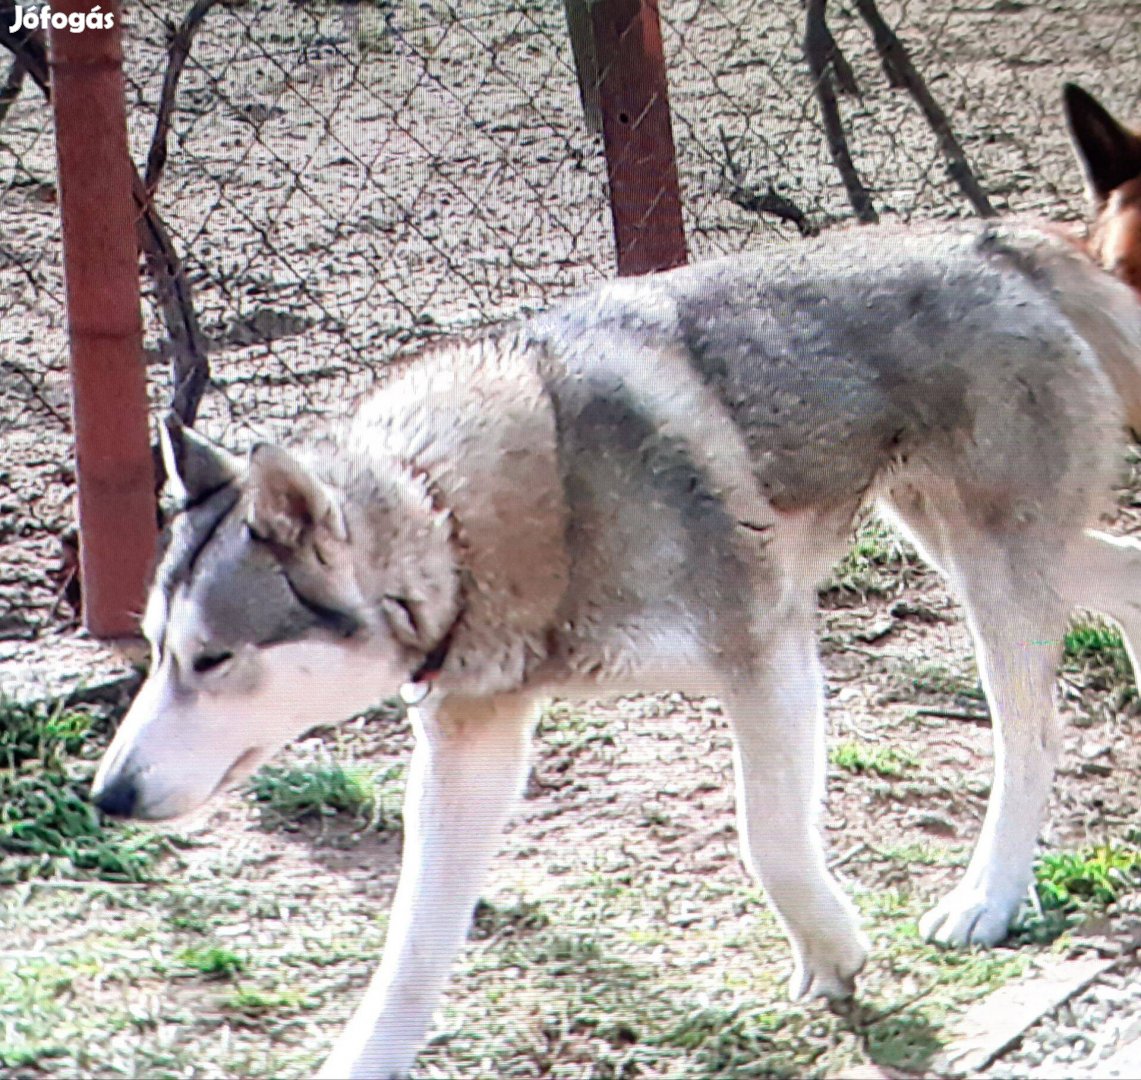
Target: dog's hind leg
[(777, 723), (467, 769), (1104, 574), (1017, 618)]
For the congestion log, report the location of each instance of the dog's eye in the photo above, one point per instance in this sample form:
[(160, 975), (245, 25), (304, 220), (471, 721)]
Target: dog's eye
[(205, 662), (402, 616)]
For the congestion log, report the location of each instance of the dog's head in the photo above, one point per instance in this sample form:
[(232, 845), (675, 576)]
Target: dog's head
[(1110, 156), (258, 625)]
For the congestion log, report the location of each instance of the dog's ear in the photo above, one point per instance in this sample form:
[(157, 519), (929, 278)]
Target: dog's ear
[(288, 503), (1109, 153), (195, 467)]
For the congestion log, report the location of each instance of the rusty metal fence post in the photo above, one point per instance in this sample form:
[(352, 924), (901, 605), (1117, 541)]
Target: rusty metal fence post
[(114, 470), (645, 199)]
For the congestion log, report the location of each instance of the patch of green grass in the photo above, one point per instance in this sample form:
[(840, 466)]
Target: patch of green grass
[(1070, 885), (1097, 876), (619, 995), (623, 967), (30, 991), (890, 905), (212, 961), (1098, 644), (32, 733), (24, 1054), (977, 971), (863, 759), (194, 924), (949, 976), (906, 1040), (289, 795), (1095, 650), (739, 1041), (54, 831), (925, 855), (875, 565), (48, 828)]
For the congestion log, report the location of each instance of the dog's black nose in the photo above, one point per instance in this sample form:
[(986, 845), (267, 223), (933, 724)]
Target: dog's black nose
[(119, 798)]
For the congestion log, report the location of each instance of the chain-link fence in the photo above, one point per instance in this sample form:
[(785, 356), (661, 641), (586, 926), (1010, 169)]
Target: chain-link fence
[(342, 180), (747, 121), (36, 477)]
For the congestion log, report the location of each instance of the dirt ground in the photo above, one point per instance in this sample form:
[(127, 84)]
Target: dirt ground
[(360, 178)]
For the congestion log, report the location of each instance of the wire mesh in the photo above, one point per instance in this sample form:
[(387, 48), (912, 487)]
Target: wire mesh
[(344, 180), (36, 475)]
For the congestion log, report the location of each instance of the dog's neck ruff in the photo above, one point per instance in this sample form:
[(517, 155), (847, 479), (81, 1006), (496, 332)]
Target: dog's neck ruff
[(419, 684)]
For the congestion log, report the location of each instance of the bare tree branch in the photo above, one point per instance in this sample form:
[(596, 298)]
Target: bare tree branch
[(27, 46), (737, 190), (845, 76), (190, 365), (901, 72), (820, 51), (12, 86), (178, 50)]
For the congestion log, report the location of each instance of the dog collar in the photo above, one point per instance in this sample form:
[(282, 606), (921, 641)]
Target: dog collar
[(419, 684)]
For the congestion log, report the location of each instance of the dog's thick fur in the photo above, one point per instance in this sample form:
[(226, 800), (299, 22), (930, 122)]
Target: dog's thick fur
[(640, 490)]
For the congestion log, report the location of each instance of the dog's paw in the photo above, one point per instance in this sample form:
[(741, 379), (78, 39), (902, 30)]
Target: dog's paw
[(968, 918), (828, 968)]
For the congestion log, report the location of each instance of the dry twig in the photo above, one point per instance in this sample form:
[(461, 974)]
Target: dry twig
[(749, 198)]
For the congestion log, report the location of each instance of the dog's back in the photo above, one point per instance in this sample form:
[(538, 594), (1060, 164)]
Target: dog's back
[(845, 361)]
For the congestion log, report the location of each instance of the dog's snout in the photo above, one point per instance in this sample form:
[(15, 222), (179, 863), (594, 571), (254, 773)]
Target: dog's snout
[(118, 799)]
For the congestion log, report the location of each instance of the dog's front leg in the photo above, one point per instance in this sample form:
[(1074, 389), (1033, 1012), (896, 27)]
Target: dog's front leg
[(467, 769)]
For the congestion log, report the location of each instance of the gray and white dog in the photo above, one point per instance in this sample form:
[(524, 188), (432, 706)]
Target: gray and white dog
[(639, 491)]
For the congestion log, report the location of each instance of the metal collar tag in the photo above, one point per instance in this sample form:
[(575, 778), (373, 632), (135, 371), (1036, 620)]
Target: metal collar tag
[(413, 693)]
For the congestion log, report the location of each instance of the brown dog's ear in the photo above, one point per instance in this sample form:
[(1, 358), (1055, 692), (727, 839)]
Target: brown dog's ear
[(288, 503), (195, 467), (1110, 154)]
